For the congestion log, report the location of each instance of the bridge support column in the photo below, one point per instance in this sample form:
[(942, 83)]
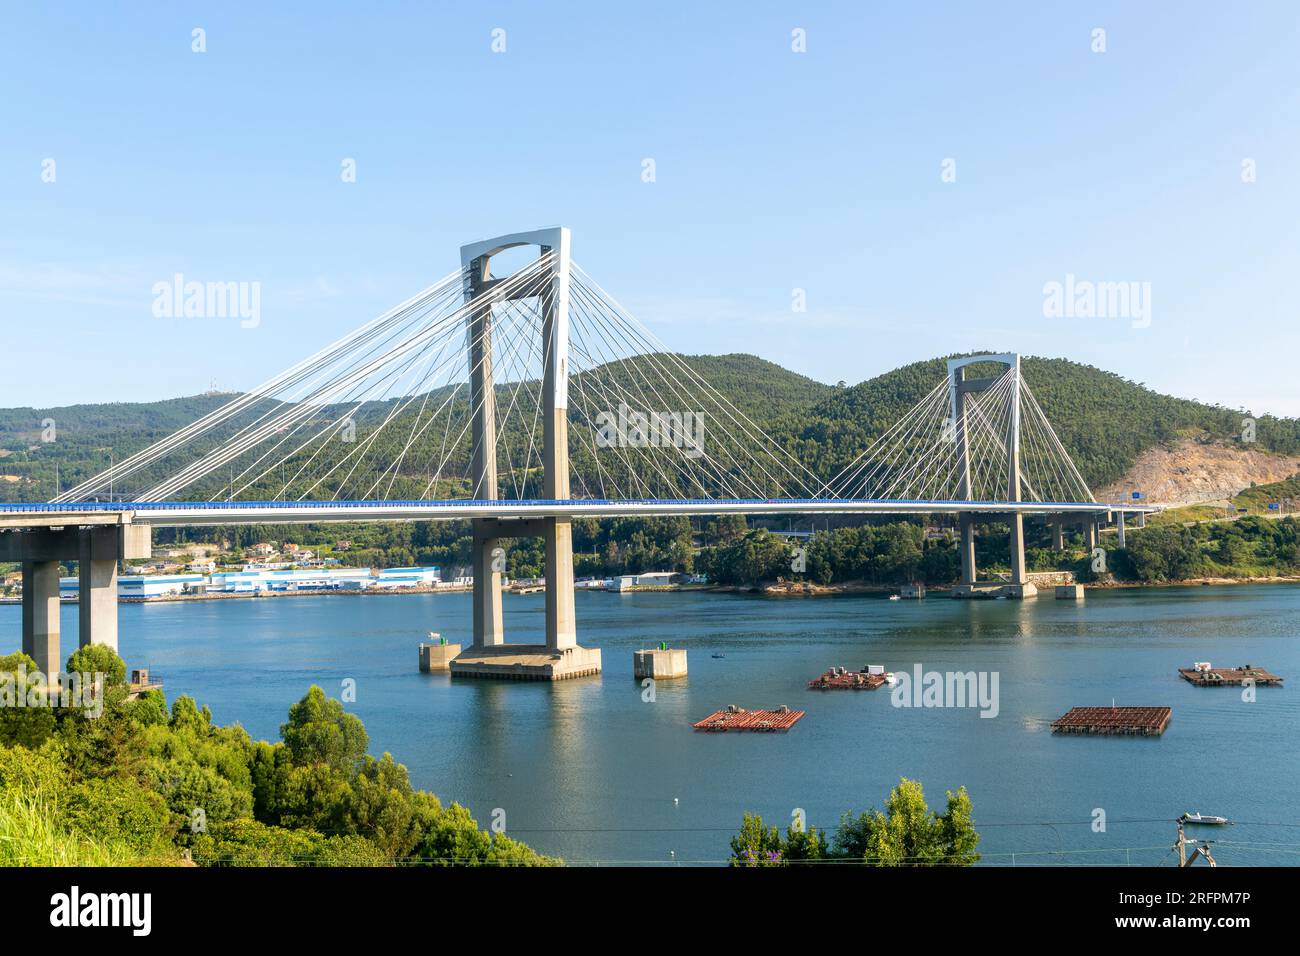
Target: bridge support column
[(41, 615), (489, 626), (97, 586), (1091, 533), (1017, 522), (561, 622), (1119, 526), (1058, 534), (1020, 583), (966, 543)]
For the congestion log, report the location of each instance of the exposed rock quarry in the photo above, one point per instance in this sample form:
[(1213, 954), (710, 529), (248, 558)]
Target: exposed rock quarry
[(1189, 472)]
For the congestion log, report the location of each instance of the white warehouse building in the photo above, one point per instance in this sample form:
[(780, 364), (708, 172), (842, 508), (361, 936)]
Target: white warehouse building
[(283, 579), (408, 577), (257, 580), (139, 586)]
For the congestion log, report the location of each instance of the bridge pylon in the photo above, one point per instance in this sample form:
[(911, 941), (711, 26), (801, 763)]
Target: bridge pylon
[(960, 388), (490, 655)]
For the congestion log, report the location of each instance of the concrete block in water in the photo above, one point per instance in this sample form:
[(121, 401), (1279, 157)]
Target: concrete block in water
[(437, 657), (659, 663)]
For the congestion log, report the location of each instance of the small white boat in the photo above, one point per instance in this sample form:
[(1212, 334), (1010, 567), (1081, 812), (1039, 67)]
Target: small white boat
[(890, 679), (895, 597), (1205, 819)]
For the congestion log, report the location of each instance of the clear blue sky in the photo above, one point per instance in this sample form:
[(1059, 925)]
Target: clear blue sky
[(775, 171)]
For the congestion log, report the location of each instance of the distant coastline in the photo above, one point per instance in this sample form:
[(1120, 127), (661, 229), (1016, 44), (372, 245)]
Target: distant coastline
[(768, 589), (262, 595)]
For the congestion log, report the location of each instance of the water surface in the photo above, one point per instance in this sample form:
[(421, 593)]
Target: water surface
[(589, 770)]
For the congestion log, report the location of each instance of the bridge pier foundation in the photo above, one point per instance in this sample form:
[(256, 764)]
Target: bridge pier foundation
[(1019, 585)]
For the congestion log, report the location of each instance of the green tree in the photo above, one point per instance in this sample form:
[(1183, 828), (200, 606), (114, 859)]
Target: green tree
[(137, 784), (320, 731), (26, 727), (98, 659), (756, 844), (908, 834)]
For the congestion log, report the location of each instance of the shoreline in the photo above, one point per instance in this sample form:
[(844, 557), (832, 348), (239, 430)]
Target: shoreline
[(262, 595), (848, 588), (853, 587)]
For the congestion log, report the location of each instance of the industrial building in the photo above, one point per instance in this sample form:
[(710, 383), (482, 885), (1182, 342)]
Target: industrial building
[(143, 585), (283, 579), (407, 577), (649, 579), (254, 580)]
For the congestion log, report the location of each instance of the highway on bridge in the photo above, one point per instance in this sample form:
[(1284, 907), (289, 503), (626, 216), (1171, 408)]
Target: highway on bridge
[(199, 513)]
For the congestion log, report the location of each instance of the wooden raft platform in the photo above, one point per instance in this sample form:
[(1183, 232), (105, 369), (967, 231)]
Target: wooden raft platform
[(760, 721), (1139, 721), (837, 678), (1229, 676)]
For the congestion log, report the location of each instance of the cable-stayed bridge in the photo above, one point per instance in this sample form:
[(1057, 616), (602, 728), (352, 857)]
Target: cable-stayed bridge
[(520, 402)]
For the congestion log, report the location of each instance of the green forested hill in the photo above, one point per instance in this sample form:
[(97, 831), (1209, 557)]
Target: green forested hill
[(84, 437), (1104, 420)]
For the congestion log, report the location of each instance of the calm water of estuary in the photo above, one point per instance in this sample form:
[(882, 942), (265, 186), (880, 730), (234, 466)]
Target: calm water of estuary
[(589, 770)]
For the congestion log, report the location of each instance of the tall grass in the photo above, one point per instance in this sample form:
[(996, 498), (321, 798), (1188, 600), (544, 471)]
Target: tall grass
[(30, 835)]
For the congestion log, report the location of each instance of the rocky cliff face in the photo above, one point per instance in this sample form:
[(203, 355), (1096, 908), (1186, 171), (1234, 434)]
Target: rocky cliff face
[(1192, 471)]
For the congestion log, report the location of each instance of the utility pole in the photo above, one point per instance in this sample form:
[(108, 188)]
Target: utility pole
[(1199, 848)]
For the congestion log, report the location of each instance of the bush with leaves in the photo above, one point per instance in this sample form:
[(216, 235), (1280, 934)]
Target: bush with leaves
[(906, 834), (140, 783)]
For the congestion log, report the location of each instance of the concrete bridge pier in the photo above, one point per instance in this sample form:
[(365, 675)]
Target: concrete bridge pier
[(969, 586), (1119, 526), (561, 622), (1020, 585), (97, 585), (1058, 534), (41, 615), (966, 543), (489, 625), (97, 549)]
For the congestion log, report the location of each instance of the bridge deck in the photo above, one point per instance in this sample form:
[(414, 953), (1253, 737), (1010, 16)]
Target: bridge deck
[(181, 513)]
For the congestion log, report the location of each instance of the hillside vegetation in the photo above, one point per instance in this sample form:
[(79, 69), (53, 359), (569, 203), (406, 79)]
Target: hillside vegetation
[(129, 781)]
